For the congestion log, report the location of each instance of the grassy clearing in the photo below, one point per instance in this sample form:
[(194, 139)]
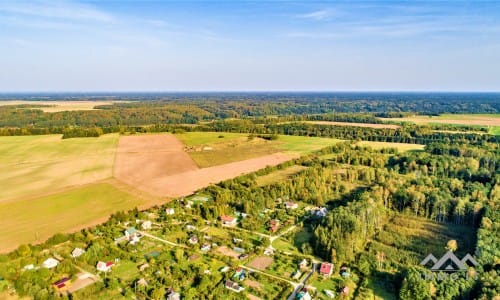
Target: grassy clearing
[(209, 149), (408, 240), (494, 130), (279, 175), (400, 146), (35, 220), (36, 165), (304, 144)]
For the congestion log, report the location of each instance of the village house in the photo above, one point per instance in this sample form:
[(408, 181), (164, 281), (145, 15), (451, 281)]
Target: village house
[(142, 282), (50, 263), (146, 225), (296, 274), (239, 274), (330, 294), (345, 290), (269, 251), (303, 264), (193, 240), (104, 266), (233, 286), (224, 269), (228, 220), (63, 284), (291, 205), (326, 269), (190, 227), (77, 252), (169, 211), (274, 225), (131, 235), (143, 267), (319, 212), (205, 247), (172, 295), (303, 295)]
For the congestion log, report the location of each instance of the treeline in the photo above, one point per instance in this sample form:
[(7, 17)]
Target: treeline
[(410, 134)]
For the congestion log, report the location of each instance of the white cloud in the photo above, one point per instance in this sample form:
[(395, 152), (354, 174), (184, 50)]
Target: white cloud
[(318, 15), (67, 10)]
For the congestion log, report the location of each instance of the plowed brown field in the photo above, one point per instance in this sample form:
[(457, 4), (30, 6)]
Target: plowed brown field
[(158, 164)]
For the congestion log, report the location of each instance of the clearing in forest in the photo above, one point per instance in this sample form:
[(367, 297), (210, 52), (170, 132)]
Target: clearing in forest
[(402, 147), (36, 165), (279, 175)]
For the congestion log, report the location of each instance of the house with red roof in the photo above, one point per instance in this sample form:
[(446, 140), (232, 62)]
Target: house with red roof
[(274, 225), (228, 220), (104, 266), (62, 285), (326, 269)]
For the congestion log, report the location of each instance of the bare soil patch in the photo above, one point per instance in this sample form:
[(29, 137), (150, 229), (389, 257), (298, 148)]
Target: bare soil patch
[(371, 125), (261, 263), (252, 283), (141, 158), (227, 252)]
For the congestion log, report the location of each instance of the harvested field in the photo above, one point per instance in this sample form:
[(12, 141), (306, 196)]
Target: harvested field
[(370, 125), (141, 158), (261, 263), (55, 106), (33, 166), (459, 119), (402, 147), (35, 220), (227, 252), (158, 165), (186, 183)]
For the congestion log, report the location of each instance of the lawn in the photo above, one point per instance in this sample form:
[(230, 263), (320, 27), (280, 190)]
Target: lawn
[(36, 165), (126, 270), (35, 220), (279, 175), (209, 149)]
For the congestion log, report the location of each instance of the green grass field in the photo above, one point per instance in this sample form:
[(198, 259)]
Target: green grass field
[(231, 147), (494, 130), (38, 165), (35, 220)]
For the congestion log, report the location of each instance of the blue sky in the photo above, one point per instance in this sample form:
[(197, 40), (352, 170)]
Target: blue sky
[(244, 46)]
